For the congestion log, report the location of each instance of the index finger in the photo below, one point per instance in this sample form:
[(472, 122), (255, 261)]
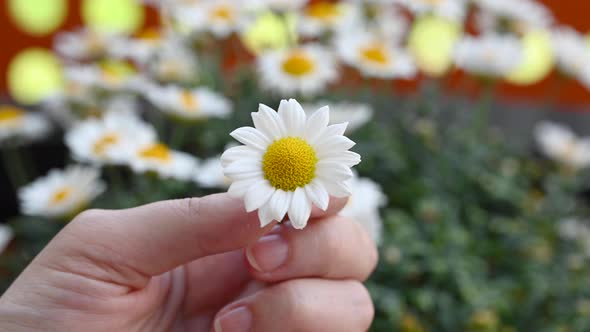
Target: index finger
[(158, 237)]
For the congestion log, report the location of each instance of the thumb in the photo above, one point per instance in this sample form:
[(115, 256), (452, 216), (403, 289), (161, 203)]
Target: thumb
[(131, 246)]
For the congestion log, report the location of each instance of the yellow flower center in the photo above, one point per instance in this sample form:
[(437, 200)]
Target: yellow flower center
[(156, 151), (60, 195), (222, 13), (104, 143), (150, 35), (189, 101), (289, 163), (324, 11), (10, 114), (298, 64), (376, 54)]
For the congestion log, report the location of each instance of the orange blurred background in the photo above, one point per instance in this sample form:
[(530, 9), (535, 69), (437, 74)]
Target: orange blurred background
[(572, 13)]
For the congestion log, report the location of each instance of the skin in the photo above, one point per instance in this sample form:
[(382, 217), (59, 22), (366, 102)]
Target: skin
[(199, 264)]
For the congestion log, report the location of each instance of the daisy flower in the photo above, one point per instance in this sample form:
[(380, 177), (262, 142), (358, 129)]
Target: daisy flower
[(562, 145), (520, 14), (192, 104), (572, 53), (305, 70), (155, 157), (374, 56), (173, 62), (6, 236), (356, 115), (106, 75), (219, 17), (99, 141), (454, 10), (210, 174), (289, 162), (61, 193), (324, 16), (388, 23), (490, 56), (363, 206), (21, 126), (279, 5), (85, 44)]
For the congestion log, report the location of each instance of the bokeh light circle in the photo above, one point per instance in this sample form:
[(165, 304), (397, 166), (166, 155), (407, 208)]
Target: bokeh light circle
[(431, 41), (125, 16), (538, 59), (38, 17), (34, 74), (270, 31)]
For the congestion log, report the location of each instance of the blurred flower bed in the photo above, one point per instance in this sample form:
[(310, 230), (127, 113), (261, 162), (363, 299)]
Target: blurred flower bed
[(476, 232)]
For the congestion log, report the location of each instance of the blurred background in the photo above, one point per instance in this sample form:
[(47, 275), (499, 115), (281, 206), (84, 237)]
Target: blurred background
[(476, 150)]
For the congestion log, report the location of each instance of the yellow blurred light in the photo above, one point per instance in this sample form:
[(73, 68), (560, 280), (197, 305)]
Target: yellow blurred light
[(270, 31), (38, 17), (34, 74), (125, 16), (431, 41), (538, 59)]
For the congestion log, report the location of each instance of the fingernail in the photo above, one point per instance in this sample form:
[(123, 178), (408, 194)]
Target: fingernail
[(237, 320), (269, 253)]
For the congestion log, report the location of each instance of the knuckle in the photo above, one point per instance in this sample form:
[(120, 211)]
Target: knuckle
[(292, 301), (189, 208)]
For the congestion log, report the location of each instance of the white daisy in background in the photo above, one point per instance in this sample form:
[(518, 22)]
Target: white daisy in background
[(289, 162), (562, 145), (100, 141), (173, 62), (61, 193), (6, 236), (305, 70), (356, 115), (363, 206), (21, 126), (489, 56), (573, 229), (454, 10), (210, 174), (521, 15), (150, 156), (191, 104), (85, 44), (324, 16), (573, 54), (374, 56), (139, 49), (279, 5), (107, 75), (219, 17), (389, 23)]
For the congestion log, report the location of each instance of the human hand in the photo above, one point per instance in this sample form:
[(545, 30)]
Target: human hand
[(199, 264)]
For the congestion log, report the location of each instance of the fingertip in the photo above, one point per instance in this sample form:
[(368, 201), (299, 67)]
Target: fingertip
[(335, 206)]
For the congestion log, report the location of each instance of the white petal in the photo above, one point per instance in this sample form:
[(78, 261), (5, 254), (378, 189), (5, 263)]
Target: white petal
[(243, 168), (239, 188), (318, 194), (300, 209), (337, 188), (239, 153), (258, 195), (347, 158), (333, 171), (332, 145), (271, 116), (335, 130), (251, 137), (279, 204), (265, 215), (293, 118), (316, 124)]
